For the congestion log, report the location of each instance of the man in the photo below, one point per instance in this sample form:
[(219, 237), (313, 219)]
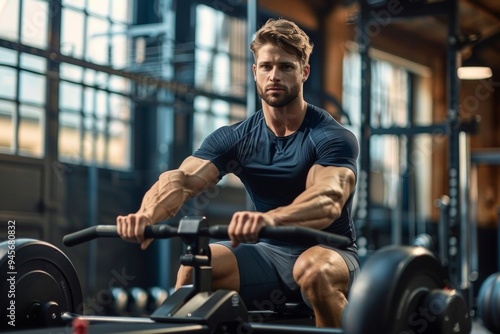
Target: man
[(299, 167)]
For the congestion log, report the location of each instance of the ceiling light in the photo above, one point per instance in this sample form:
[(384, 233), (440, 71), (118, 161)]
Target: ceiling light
[(474, 72)]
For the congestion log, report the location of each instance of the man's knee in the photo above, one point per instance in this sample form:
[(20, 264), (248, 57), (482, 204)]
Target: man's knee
[(322, 273)]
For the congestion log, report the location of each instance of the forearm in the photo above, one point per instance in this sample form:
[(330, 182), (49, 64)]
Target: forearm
[(321, 203), (175, 187), (316, 208), (165, 197)]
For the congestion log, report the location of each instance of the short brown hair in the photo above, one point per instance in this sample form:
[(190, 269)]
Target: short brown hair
[(285, 34)]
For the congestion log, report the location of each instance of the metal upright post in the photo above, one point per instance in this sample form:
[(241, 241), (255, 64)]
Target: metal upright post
[(444, 206), (252, 15), (364, 202), (465, 219), (458, 162), (498, 237)]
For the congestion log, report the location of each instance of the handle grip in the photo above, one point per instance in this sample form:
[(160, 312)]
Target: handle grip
[(283, 233), (110, 231)]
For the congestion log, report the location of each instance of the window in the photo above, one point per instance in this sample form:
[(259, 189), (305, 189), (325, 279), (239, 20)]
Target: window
[(22, 103), (395, 84), (95, 119), (95, 32), (220, 68)]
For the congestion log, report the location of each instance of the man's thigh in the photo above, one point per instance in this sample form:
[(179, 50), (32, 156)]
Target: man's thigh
[(258, 280)]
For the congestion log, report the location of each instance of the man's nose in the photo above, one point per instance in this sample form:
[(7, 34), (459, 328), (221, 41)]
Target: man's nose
[(274, 75)]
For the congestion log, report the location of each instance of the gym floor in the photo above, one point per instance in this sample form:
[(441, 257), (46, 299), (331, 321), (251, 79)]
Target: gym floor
[(478, 328)]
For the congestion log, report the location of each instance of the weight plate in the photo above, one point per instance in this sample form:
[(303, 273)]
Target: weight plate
[(39, 285), (495, 305), (387, 295), (488, 303), (446, 312)]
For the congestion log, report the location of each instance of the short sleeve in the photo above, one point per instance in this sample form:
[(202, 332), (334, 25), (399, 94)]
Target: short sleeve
[(218, 148), (337, 147)]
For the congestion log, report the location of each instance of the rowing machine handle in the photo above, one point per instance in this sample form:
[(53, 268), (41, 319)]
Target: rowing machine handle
[(110, 231), (288, 233), (285, 233)]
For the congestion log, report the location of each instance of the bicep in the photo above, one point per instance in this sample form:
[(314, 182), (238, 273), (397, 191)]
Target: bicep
[(342, 180), (199, 174)]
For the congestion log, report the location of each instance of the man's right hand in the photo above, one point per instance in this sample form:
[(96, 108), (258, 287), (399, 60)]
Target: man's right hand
[(131, 228)]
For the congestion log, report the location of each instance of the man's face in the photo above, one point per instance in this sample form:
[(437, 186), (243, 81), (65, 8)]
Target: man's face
[(279, 75)]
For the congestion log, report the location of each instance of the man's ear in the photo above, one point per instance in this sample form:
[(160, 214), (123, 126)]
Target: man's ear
[(305, 72), (254, 70)]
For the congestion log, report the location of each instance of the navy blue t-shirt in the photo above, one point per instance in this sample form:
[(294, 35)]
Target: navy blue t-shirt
[(274, 169)]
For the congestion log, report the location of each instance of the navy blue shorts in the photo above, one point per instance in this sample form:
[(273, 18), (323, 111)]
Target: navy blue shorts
[(265, 269)]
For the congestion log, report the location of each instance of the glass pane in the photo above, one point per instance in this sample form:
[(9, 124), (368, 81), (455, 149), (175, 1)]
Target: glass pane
[(220, 108), (9, 19), (34, 63), (119, 145), (119, 107), (71, 72), (101, 79), (8, 57), (206, 25), (88, 148), (31, 133), (74, 3), (120, 11), (35, 15), (101, 104), (32, 88), (89, 77), (7, 112), (93, 141), (99, 141), (119, 84), (7, 82), (119, 50), (97, 40), (203, 69), (72, 33), (69, 136), (70, 96), (99, 7), (88, 101)]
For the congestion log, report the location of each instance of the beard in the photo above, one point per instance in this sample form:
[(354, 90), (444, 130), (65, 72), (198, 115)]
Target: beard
[(280, 98)]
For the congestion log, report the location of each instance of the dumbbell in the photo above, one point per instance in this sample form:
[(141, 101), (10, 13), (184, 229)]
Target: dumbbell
[(119, 302), (156, 297), (137, 301)]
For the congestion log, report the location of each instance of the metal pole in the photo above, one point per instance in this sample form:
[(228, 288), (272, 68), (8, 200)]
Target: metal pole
[(498, 237), (453, 136), (397, 212), (251, 29), (252, 15), (473, 210), (364, 202), (465, 243), (444, 207)]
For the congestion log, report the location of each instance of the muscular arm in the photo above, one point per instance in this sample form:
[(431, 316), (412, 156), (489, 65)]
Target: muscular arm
[(327, 190), (174, 187), (166, 197)]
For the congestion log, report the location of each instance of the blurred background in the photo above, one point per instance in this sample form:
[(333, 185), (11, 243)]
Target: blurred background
[(98, 97)]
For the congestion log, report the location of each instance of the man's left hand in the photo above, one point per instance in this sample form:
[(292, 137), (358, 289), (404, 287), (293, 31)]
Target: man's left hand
[(246, 225)]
